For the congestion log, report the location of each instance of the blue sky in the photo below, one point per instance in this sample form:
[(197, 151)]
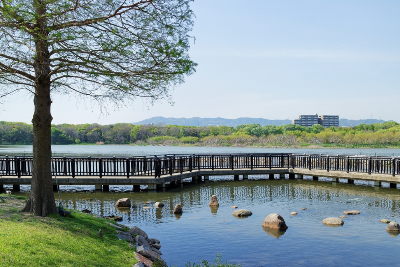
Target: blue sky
[(273, 60)]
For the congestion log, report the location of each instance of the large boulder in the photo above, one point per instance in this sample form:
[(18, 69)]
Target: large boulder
[(274, 221), (178, 209), (141, 241), (351, 212), (134, 231), (393, 227), (242, 213), (214, 201), (148, 253), (333, 221), (123, 203)]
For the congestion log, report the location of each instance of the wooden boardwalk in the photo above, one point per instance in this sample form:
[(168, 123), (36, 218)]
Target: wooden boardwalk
[(157, 172)]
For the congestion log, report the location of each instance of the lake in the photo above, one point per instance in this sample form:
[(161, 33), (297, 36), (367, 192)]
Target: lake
[(200, 233)]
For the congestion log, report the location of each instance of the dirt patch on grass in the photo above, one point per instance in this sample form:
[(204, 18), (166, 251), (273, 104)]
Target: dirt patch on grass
[(11, 205)]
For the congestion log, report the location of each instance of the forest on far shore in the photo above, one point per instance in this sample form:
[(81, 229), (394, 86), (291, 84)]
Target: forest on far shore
[(385, 134)]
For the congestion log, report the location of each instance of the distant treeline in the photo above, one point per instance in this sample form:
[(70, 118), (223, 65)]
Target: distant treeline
[(385, 134)]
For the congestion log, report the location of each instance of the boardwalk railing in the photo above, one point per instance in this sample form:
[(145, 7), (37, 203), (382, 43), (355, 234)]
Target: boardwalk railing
[(157, 166)]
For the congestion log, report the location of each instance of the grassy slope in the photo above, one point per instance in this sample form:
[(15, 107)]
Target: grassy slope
[(27, 240)]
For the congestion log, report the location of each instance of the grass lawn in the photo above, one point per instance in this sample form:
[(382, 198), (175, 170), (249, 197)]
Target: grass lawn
[(27, 240)]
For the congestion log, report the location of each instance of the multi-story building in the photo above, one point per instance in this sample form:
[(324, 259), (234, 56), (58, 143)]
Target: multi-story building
[(329, 120), (306, 120), (325, 120)]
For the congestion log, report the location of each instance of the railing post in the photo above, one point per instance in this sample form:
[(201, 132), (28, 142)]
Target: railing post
[(309, 162), (251, 161), (181, 164), (65, 165), (212, 162), (128, 167), (115, 165), (347, 164), (393, 167), (73, 167), (337, 163), (369, 165), (90, 165), (17, 167), (293, 159), (270, 161), (190, 163), (170, 165), (282, 161), (157, 167), (327, 163), (7, 165), (231, 161), (100, 168)]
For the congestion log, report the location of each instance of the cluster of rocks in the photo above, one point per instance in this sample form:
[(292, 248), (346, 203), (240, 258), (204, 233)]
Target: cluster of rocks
[(335, 221), (147, 249)]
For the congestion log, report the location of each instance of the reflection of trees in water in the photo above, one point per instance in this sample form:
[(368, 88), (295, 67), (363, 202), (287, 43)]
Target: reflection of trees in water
[(233, 193)]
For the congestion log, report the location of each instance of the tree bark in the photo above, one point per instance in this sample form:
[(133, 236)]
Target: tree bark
[(41, 199)]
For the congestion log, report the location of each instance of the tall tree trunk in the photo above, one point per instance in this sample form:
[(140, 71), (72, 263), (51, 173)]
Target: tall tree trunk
[(41, 198)]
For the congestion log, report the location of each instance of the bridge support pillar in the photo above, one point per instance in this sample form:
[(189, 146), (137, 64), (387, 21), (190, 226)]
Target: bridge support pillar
[(335, 180), (2, 188), (281, 176), (393, 185), (236, 177), (291, 176), (350, 181), (136, 188), (56, 187), (245, 176), (377, 184), (152, 187), (106, 188), (98, 187), (271, 176), (16, 187), (206, 177), (299, 176), (315, 178)]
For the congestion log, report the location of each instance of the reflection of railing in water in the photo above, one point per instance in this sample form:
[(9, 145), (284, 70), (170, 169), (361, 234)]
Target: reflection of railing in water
[(256, 193), (170, 164)]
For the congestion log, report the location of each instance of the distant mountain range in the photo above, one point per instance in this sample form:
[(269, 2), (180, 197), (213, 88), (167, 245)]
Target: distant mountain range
[(196, 121)]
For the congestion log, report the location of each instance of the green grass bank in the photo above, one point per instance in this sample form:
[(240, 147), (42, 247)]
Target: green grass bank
[(27, 240)]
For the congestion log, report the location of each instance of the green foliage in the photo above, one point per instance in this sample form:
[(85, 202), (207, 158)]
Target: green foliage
[(376, 135)]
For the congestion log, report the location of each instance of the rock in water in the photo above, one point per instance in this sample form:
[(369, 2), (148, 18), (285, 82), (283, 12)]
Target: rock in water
[(293, 213), (393, 227), (214, 201), (242, 213), (333, 221), (274, 221), (385, 221), (178, 209), (351, 212), (159, 204), (123, 203)]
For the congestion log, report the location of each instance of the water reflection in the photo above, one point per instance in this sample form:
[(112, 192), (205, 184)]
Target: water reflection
[(242, 194), (214, 209), (275, 233)]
